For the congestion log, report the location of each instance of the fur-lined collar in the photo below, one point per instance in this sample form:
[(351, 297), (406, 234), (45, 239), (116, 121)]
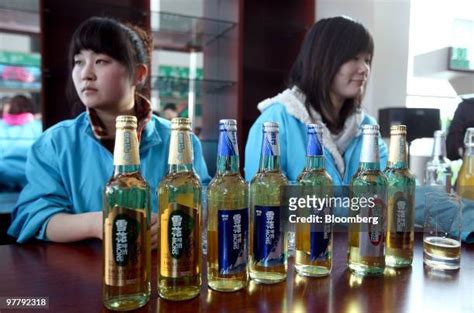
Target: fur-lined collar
[(293, 100)]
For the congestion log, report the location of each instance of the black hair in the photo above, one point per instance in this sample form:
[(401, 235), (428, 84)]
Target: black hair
[(328, 44), (128, 44), (170, 106), (20, 104)]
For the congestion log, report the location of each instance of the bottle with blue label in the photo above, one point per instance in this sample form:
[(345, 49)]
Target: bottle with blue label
[(228, 217), (314, 240), (268, 232)]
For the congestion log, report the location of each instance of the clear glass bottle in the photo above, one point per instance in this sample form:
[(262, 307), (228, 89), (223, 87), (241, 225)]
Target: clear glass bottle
[(366, 250), (179, 235), (465, 181), (401, 202), (268, 231), (228, 217), (126, 220), (438, 169), (314, 241)]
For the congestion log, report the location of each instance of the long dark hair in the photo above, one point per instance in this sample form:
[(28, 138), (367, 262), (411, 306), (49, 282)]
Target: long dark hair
[(328, 44), (128, 44)]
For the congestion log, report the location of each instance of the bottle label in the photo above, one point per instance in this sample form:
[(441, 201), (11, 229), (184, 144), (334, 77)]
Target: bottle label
[(180, 250), (268, 245), (271, 144), (370, 149), (320, 236), (371, 236), (228, 143), (402, 212), (125, 246), (401, 219), (126, 147), (181, 148), (233, 240)]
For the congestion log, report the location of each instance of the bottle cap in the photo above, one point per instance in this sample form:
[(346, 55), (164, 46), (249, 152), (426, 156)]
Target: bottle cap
[(270, 127), (368, 129), (181, 123), (315, 128), (398, 130), (469, 137), (228, 125), (126, 121)]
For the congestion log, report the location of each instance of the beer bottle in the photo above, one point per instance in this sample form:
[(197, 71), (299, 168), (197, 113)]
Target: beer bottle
[(228, 216), (126, 220), (314, 240), (438, 169), (268, 254), (401, 202), (179, 236), (366, 251), (465, 182)]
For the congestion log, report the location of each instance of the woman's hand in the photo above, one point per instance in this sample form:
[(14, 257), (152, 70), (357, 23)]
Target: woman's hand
[(64, 227), (96, 224)]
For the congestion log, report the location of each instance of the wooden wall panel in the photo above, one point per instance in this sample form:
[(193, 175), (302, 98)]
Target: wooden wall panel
[(273, 32)]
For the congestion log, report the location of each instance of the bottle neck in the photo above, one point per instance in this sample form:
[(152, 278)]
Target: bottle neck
[(126, 169), (369, 166), (369, 157), (227, 164), (439, 148), (398, 156), (227, 152), (180, 168), (270, 155), (314, 162), (469, 151), (269, 163), (126, 151), (180, 157)]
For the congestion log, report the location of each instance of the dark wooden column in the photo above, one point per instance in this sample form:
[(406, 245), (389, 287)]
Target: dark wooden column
[(222, 61), (258, 54), (273, 32), (58, 20)]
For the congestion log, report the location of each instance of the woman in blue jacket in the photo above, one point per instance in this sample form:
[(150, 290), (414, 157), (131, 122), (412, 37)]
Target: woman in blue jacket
[(69, 165), (18, 130), (326, 86)]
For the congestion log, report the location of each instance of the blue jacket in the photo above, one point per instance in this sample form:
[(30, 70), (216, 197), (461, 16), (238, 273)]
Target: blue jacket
[(67, 169), (14, 144), (293, 140)]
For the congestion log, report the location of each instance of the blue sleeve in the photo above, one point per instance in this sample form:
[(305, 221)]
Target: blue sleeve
[(199, 163), (252, 150), (43, 196), (467, 227), (12, 166)]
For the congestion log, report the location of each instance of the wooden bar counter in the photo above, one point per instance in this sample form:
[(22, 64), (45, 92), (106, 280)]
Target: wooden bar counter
[(71, 276)]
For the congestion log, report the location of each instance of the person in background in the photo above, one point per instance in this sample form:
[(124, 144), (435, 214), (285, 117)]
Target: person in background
[(326, 86), (170, 111), (462, 120), (69, 165), (18, 130)]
